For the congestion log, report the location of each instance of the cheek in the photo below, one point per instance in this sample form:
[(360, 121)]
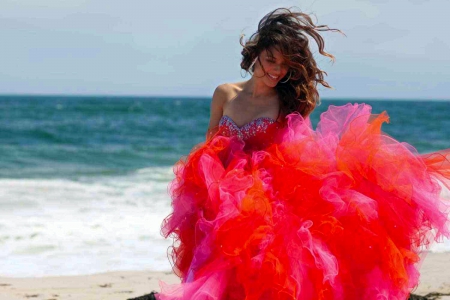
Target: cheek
[(265, 66)]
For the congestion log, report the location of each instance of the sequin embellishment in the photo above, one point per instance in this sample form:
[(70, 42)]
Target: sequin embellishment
[(229, 127)]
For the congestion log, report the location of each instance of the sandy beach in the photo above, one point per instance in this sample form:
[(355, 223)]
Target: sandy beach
[(122, 285)]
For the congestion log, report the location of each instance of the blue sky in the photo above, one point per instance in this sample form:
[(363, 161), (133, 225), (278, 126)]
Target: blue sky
[(393, 49)]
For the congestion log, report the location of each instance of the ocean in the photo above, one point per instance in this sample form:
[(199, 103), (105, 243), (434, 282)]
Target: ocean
[(83, 180)]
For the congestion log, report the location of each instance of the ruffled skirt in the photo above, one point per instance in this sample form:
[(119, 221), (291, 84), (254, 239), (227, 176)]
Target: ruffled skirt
[(340, 212)]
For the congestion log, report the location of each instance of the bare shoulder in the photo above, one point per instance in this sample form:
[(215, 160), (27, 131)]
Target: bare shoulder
[(224, 92), (227, 91), (223, 95)]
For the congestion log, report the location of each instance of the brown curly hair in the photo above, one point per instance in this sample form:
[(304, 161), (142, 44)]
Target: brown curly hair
[(288, 31)]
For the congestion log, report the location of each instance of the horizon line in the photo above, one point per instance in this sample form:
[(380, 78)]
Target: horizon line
[(207, 97)]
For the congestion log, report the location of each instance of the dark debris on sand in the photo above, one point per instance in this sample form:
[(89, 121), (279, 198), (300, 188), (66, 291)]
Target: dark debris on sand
[(150, 296), (430, 296)]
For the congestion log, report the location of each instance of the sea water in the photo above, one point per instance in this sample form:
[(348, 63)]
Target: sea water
[(83, 180)]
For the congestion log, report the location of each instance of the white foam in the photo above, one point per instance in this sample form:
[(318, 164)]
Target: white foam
[(65, 227)]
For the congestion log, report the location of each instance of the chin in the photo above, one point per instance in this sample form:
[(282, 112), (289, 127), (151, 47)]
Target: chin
[(271, 83)]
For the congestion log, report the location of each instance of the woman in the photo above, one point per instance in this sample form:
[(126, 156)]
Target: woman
[(268, 208)]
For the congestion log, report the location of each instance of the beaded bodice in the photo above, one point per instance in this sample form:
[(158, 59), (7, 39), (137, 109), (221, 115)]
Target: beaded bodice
[(251, 129)]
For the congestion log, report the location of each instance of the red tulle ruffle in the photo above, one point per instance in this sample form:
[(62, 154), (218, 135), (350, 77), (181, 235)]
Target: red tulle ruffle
[(340, 212)]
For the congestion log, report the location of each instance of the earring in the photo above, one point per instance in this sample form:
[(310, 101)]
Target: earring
[(290, 73), (253, 63)]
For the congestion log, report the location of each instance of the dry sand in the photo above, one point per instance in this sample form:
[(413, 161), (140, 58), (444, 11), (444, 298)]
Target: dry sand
[(123, 285)]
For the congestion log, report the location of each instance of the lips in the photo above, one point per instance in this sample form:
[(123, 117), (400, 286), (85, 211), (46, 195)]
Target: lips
[(272, 77)]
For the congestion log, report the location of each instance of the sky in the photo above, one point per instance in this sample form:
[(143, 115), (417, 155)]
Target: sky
[(392, 49)]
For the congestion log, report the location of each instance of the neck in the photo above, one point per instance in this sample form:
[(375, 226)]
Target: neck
[(258, 89)]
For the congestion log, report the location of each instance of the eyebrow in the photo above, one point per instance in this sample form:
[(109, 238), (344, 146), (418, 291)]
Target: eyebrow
[(274, 58)]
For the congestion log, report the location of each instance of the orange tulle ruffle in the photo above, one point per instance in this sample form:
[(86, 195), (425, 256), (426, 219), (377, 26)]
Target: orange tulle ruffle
[(341, 212)]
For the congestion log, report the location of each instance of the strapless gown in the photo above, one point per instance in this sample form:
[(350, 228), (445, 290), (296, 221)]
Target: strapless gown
[(278, 210)]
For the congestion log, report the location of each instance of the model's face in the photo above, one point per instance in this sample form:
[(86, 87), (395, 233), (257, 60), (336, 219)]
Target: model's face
[(274, 65)]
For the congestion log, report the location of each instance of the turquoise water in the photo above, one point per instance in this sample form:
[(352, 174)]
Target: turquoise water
[(83, 180), (54, 137)]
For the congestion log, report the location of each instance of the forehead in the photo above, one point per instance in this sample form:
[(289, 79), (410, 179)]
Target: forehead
[(273, 52)]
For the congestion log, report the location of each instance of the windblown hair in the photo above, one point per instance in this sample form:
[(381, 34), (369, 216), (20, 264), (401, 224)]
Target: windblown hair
[(288, 32)]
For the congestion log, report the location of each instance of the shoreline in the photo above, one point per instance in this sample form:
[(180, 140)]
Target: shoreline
[(121, 285)]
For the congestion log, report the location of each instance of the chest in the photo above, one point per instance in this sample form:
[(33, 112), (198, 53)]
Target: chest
[(242, 111), (252, 129)]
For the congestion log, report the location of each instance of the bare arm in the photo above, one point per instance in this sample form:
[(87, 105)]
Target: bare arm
[(216, 111)]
